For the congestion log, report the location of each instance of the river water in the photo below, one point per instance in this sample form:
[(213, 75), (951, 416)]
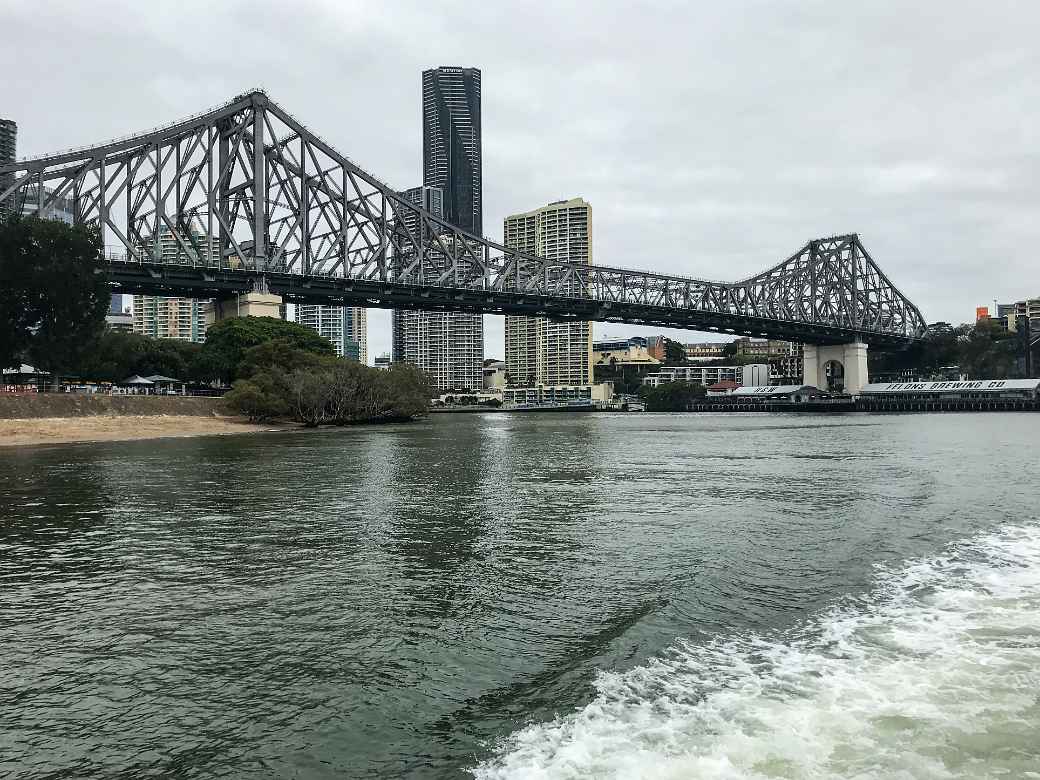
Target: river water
[(528, 596)]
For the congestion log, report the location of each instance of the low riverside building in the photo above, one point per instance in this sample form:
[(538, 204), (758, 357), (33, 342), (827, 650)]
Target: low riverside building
[(540, 395), (978, 393), (468, 398), (754, 374), (1025, 389), (781, 393)]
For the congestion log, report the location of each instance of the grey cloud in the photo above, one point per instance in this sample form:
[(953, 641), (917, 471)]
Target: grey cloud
[(711, 139)]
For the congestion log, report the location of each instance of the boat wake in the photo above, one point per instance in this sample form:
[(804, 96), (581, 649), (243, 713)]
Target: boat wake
[(934, 674)]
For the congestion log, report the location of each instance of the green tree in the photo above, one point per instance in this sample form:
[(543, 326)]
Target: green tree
[(311, 394), (409, 391), (981, 351), (674, 353), (53, 292), (115, 355), (283, 381), (228, 340), (280, 353), (627, 379), (672, 396), (988, 352), (262, 397)]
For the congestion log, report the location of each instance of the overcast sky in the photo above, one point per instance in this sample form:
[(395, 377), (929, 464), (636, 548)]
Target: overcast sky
[(712, 139)]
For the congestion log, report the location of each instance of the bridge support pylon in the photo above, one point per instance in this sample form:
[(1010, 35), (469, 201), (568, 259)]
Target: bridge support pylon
[(836, 366), (254, 304)]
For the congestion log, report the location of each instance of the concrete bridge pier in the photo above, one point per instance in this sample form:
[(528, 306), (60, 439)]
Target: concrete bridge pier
[(834, 366), (254, 304)]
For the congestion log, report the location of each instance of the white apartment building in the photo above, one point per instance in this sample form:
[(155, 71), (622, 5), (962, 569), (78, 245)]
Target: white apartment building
[(539, 351), (172, 318), (169, 318), (345, 326), (754, 374), (449, 346), (446, 345), (561, 394), (1020, 311)]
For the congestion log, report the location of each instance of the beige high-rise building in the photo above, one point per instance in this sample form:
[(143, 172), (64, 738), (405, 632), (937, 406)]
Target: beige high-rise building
[(538, 350)]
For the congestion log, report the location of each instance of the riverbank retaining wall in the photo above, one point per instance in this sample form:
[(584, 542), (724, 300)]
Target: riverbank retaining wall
[(30, 406)]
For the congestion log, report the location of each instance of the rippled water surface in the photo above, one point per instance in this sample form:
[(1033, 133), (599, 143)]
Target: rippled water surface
[(528, 596)]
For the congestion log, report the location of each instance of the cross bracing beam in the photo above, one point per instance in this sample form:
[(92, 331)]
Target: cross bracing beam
[(253, 199)]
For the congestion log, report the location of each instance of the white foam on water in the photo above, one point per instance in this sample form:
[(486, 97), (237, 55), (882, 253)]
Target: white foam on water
[(935, 674)]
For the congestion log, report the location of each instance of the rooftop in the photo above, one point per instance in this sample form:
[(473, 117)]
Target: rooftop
[(977, 385), (774, 389)]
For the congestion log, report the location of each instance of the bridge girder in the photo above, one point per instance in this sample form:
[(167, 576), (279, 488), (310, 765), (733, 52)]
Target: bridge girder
[(254, 198)]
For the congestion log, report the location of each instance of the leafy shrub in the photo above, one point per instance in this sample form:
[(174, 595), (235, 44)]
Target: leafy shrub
[(320, 390)]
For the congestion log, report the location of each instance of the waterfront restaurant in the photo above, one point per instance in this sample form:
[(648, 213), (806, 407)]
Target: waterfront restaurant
[(972, 390)]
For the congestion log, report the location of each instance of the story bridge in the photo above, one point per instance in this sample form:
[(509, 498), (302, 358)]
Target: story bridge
[(260, 206)]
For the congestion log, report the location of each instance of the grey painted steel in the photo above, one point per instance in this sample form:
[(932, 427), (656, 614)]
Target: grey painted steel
[(296, 217)]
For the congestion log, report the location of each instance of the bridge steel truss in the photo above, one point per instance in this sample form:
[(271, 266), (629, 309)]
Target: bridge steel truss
[(290, 215)]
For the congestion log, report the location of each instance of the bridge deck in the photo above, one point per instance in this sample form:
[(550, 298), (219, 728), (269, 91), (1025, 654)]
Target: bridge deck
[(203, 282)]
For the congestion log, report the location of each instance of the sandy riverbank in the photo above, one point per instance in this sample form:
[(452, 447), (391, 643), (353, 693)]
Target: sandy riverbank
[(64, 430)]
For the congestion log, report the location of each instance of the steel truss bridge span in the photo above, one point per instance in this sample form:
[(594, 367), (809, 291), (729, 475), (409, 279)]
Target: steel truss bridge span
[(250, 200)]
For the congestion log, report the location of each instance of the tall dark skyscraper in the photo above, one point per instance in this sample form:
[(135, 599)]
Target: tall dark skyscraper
[(449, 346), (8, 150), (451, 143)]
